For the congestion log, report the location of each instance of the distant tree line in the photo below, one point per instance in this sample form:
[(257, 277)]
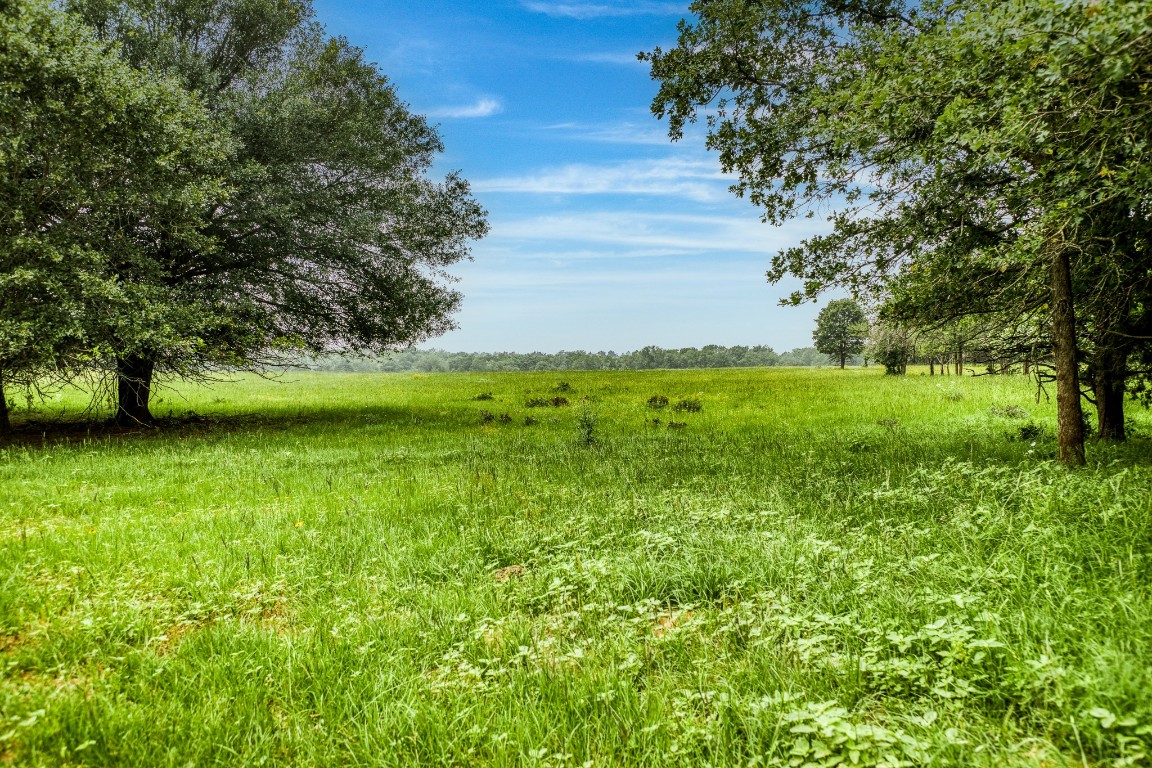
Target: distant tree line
[(648, 358)]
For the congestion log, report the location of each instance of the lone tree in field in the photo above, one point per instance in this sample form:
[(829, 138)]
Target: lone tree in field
[(331, 236), (841, 330), (993, 151), (89, 143)]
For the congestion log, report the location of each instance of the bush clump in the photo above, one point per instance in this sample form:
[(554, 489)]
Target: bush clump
[(1030, 431), (657, 401), (484, 396), (544, 402), (689, 405), (562, 387), (586, 427)]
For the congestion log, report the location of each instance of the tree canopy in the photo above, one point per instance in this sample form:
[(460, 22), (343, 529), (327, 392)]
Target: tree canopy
[(841, 330), (974, 156), (330, 236), (191, 185), (90, 149)]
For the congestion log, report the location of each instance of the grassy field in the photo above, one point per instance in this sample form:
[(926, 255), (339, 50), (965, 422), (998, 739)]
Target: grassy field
[(817, 568)]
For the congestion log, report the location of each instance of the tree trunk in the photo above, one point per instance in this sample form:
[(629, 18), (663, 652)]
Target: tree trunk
[(931, 365), (134, 386), (1108, 385), (1069, 414), (5, 424), (842, 359)]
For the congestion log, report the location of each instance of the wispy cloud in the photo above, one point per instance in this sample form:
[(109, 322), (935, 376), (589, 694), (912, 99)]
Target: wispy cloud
[(623, 58), (651, 234), (586, 10), (701, 181), (652, 133), (482, 108)]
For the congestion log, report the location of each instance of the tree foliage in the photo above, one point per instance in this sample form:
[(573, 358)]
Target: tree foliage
[(978, 156), (841, 330), (318, 227), (94, 158)]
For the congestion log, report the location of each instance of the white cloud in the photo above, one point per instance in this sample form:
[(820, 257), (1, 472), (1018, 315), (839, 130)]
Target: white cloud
[(585, 10), (482, 108), (696, 180), (653, 234), (651, 133)]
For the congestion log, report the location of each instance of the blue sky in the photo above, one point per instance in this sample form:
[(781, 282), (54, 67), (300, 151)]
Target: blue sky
[(604, 234)]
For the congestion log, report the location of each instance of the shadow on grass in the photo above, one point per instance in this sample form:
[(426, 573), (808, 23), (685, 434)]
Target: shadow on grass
[(39, 433)]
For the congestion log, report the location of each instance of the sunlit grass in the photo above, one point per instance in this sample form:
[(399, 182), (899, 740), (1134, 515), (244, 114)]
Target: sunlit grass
[(354, 569)]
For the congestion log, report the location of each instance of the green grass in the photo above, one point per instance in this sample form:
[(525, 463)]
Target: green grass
[(820, 566)]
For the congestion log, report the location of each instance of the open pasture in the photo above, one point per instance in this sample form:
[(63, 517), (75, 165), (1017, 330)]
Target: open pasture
[(817, 568)]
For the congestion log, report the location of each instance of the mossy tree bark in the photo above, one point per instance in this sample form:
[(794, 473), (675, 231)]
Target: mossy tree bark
[(1069, 412)]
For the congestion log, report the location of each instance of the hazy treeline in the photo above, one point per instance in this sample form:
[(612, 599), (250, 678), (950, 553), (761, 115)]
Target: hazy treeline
[(711, 356)]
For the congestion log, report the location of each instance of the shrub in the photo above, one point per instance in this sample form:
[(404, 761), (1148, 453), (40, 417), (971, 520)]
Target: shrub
[(691, 405), (486, 417), (1031, 431), (505, 418), (586, 427), (543, 402), (677, 424), (484, 396), (562, 387), (657, 401), (951, 394), (1008, 411)]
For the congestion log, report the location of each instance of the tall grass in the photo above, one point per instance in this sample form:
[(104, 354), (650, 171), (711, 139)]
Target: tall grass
[(819, 567)]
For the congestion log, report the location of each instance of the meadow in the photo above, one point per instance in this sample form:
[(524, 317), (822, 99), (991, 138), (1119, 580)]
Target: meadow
[(813, 568)]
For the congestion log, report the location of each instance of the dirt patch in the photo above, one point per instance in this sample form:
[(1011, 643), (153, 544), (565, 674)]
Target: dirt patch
[(669, 622), (12, 644), (277, 618), (174, 635), (493, 638), (509, 572)]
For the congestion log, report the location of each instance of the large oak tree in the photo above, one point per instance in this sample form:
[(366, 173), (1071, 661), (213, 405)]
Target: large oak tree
[(87, 145), (333, 235)]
